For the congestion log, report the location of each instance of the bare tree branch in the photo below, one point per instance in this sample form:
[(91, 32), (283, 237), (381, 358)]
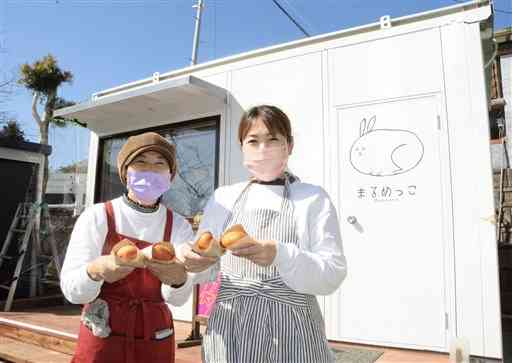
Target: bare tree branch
[(6, 90), (35, 114), (6, 83)]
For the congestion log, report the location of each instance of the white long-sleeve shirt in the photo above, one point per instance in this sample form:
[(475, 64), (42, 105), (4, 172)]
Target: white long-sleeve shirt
[(317, 264), (88, 237)]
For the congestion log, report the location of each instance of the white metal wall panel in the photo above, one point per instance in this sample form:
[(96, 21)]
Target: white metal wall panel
[(386, 68), (295, 85), (184, 312), (92, 168), (476, 269)]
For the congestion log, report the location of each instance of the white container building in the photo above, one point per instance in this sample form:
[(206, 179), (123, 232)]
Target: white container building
[(391, 118)]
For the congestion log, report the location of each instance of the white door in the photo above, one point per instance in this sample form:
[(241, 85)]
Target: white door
[(392, 223)]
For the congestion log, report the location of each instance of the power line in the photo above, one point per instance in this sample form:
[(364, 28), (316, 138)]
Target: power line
[(291, 18), (300, 15)]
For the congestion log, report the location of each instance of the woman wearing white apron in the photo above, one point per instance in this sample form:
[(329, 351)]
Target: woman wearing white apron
[(266, 310)]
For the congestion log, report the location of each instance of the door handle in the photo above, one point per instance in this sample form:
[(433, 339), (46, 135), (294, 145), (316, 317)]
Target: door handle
[(355, 223), (351, 219)]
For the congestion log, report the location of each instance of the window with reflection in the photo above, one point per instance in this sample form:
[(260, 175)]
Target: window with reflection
[(196, 148)]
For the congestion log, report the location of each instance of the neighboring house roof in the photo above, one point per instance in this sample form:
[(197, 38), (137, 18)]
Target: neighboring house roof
[(504, 40), (26, 146), (78, 167)]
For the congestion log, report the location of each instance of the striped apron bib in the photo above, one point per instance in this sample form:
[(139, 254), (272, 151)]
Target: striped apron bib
[(257, 318)]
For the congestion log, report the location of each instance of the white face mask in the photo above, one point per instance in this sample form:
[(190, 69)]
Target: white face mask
[(267, 163)]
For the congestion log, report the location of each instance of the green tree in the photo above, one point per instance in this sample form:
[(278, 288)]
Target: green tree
[(43, 78), (77, 167), (12, 131)]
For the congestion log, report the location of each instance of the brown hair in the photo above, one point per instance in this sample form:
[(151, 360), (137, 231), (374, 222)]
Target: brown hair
[(274, 119)]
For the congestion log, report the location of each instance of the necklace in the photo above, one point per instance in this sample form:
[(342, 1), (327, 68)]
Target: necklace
[(279, 181), (139, 207)]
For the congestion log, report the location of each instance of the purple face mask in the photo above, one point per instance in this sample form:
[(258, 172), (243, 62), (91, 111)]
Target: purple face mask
[(148, 186)]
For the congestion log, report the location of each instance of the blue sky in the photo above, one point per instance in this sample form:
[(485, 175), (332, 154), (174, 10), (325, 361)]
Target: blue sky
[(106, 43)]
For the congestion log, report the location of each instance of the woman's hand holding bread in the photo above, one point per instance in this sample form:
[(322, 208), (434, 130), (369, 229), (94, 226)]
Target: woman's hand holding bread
[(168, 273), (207, 246), (261, 253), (241, 244), (106, 268), (194, 262)]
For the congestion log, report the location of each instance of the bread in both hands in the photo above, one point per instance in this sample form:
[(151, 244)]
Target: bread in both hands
[(206, 245), (234, 236), (128, 254)]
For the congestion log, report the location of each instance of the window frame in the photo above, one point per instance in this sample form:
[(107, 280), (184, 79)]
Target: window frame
[(215, 120)]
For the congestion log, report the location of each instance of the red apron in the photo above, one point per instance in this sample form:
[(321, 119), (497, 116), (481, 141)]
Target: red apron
[(137, 312)]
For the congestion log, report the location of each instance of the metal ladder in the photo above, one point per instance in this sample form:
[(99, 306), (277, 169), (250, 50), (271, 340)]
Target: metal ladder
[(21, 229), (503, 226)]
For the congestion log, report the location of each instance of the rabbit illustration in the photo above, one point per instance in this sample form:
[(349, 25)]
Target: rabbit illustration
[(385, 152)]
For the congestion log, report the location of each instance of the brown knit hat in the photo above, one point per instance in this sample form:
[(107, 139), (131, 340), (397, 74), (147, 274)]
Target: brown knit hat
[(149, 141)]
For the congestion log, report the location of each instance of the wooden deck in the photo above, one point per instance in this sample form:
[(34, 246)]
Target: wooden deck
[(48, 335)]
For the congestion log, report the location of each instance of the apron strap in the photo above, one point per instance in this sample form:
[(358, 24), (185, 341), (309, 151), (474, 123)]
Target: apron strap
[(111, 219), (112, 236), (168, 226)]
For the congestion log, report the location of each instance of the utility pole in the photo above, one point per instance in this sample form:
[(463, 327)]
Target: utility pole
[(199, 7)]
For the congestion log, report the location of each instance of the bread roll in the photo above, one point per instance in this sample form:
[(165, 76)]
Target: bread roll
[(127, 253), (208, 246), (233, 236), (163, 251), (204, 241)]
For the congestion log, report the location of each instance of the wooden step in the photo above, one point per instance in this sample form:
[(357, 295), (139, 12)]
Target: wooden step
[(19, 352), (41, 337)]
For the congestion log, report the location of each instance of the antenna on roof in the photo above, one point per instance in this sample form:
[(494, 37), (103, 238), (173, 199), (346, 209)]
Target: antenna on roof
[(199, 7)]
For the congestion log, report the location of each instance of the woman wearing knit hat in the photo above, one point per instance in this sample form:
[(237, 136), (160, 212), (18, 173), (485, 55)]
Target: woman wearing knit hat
[(125, 316)]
